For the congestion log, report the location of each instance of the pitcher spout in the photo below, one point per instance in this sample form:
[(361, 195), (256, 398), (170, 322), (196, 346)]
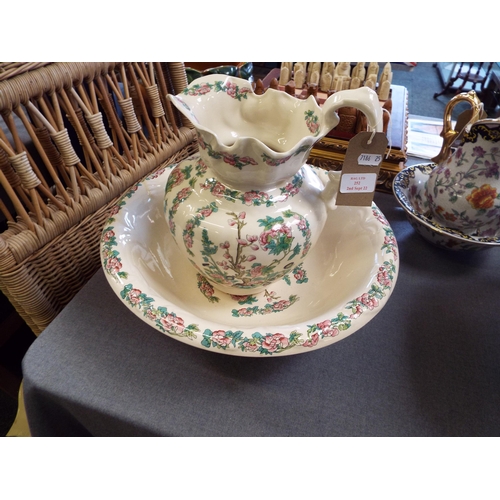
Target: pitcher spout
[(257, 141)]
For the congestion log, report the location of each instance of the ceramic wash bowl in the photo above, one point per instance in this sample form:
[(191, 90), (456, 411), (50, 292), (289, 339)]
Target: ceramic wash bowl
[(345, 281), (409, 188)]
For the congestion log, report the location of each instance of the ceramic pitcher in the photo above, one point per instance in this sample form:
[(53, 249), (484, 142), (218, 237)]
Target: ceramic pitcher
[(247, 210), (463, 190)]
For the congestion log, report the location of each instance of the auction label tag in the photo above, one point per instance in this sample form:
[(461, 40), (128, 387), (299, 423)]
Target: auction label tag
[(360, 169), (358, 183)]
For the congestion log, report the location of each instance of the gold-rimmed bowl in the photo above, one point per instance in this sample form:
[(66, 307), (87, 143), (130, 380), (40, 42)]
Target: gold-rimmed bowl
[(409, 189)]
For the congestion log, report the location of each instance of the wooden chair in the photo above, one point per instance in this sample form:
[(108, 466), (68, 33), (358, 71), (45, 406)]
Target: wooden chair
[(476, 74)]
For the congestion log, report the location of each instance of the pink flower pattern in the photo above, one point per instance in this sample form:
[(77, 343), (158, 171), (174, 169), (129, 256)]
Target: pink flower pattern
[(173, 323), (271, 342), (113, 265), (134, 296), (220, 338), (274, 342)]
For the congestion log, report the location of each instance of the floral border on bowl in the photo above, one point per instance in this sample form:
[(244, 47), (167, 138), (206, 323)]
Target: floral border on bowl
[(258, 342)]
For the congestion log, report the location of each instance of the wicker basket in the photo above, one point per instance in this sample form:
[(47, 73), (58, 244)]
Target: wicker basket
[(74, 137)]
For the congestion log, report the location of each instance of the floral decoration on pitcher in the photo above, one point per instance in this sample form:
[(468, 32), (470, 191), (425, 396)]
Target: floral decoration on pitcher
[(234, 160), (253, 198), (232, 90), (177, 177), (312, 122), (276, 162), (237, 262), (274, 303), (471, 176), (239, 161)]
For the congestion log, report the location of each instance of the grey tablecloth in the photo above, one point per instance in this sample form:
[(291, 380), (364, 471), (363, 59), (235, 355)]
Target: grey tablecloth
[(427, 365)]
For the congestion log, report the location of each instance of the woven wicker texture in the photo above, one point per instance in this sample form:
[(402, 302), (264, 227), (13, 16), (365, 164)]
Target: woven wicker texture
[(73, 138)]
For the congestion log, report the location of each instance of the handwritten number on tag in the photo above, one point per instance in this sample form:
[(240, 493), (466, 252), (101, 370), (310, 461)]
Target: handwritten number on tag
[(369, 159)]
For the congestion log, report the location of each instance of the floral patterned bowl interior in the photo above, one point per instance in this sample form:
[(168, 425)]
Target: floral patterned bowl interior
[(410, 190), (345, 281)]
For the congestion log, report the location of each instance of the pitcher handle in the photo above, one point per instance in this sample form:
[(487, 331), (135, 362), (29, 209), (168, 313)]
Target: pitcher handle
[(450, 135), (365, 99)]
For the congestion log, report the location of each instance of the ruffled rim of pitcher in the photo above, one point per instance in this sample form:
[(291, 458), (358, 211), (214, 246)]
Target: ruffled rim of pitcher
[(308, 140)]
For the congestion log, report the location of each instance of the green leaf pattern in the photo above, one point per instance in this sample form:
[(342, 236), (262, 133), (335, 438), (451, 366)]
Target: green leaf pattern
[(231, 89), (258, 342)]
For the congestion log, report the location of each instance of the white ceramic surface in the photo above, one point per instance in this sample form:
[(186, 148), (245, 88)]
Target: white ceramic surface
[(410, 190), (244, 241), (247, 211), (264, 138), (345, 281)]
